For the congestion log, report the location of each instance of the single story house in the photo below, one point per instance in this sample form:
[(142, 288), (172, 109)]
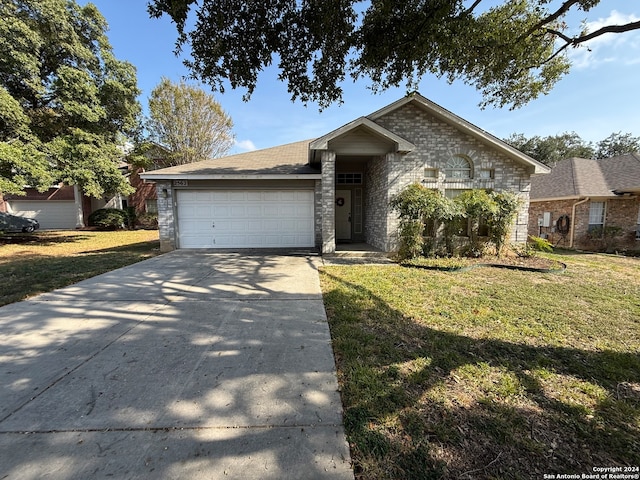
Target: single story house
[(65, 207), (588, 204), (59, 207), (336, 188)]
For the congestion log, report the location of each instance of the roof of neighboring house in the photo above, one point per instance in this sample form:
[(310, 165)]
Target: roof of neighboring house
[(287, 160), (582, 177)]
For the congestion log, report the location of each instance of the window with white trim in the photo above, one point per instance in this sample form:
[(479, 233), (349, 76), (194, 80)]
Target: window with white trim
[(458, 167), (596, 217)]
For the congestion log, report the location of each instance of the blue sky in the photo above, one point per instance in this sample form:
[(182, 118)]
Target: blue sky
[(598, 97)]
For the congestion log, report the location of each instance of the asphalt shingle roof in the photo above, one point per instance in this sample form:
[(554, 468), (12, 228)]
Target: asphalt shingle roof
[(290, 159), (582, 177)]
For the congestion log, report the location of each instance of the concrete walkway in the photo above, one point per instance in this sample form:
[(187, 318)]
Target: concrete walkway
[(191, 365)]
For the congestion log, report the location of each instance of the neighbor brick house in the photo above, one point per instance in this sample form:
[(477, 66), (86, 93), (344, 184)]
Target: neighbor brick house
[(596, 201), (59, 207), (65, 207), (336, 188)]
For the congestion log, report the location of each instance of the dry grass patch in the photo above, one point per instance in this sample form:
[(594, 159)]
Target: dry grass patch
[(489, 373), (54, 259)]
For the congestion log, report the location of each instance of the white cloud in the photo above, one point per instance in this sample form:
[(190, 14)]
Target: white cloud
[(620, 48), (245, 145)]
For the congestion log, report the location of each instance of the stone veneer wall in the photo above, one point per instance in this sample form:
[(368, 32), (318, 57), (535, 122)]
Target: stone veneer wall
[(166, 218), (436, 142), (619, 212)]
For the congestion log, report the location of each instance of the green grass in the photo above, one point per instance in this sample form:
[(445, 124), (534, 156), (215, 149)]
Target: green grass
[(489, 373), (50, 260)]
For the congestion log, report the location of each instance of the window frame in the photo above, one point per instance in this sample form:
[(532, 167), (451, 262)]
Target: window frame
[(455, 171), (597, 217)]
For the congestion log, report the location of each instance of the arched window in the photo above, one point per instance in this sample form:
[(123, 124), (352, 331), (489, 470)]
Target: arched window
[(458, 167)]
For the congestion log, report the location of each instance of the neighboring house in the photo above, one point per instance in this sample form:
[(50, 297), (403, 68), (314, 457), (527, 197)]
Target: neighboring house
[(336, 188), (144, 199), (596, 201), (60, 207), (64, 207)]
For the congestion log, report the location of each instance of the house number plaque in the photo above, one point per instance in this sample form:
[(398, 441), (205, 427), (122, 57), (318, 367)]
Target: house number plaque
[(180, 183)]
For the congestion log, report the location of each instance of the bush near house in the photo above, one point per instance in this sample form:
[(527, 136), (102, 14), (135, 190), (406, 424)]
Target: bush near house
[(109, 219), (147, 221), (432, 225)]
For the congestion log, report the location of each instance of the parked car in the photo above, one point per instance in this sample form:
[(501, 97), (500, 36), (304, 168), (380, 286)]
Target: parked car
[(12, 223)]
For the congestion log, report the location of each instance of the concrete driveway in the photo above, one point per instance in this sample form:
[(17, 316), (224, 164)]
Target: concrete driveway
[(191, 365)]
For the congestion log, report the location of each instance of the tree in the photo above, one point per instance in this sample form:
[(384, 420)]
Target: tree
[(66, 103), (189, 122), (617, 144), (550, 150), (512, 52)]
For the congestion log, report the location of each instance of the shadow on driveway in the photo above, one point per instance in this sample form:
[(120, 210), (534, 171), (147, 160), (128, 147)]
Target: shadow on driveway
[(192, 364)]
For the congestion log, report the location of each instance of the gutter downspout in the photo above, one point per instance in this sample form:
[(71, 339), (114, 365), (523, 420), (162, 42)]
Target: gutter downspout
[(573, 220)]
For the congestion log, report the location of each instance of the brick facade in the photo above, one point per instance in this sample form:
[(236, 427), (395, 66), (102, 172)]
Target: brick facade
[(375, 203), (436, 142), (328, 162), (619, 212), (144, 191), (166, 217)]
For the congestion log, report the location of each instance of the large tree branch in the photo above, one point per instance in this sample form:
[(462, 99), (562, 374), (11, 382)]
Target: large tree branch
[(608, 29), (574, 41), (564, 8), (472, 7)]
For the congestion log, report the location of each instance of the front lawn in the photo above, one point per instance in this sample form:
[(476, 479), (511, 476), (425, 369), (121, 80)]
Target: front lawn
[(47, 260), (490, 373)]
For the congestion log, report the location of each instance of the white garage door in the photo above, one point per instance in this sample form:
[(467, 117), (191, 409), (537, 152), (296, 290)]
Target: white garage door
[(245, 218), (50, 214)]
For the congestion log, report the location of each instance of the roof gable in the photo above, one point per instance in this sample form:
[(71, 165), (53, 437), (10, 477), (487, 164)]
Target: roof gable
[(377, 132), (464, 126)]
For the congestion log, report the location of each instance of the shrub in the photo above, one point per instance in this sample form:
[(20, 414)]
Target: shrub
[(109, 218), (477, 205), (541, 244), (148, 221), (131, 217), (500, 222)]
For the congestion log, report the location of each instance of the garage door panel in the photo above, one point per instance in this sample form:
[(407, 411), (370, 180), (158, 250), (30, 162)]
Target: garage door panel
[(50, 214), (197, 227), (196, 241), (245, 219)]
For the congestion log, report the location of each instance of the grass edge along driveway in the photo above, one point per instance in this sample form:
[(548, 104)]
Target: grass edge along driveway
[(490, 373), (49, 260)]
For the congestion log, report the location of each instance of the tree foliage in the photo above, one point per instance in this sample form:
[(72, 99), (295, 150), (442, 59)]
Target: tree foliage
[(617, 144), (512, 50), (189, 122), (551, 149), (66, 102)]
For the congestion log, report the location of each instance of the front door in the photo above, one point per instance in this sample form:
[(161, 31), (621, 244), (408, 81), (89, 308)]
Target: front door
[(343, 215)]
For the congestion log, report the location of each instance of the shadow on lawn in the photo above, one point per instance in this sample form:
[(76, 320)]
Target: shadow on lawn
[(503, 419), (22, 277), (42, 239)]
